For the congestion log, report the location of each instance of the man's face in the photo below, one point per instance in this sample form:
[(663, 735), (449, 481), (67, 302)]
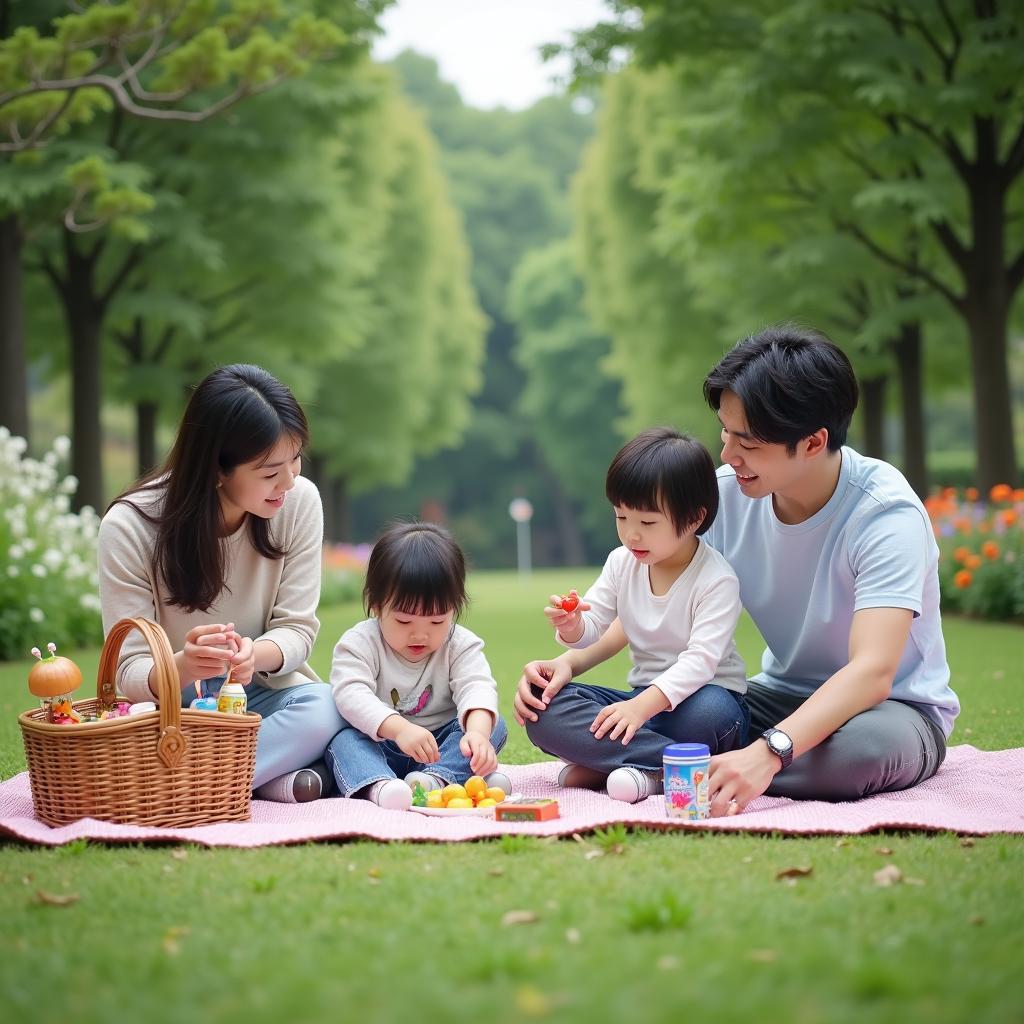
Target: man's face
[(761, 468)]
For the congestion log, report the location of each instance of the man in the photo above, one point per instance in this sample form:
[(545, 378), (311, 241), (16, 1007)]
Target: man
[(837, 566)]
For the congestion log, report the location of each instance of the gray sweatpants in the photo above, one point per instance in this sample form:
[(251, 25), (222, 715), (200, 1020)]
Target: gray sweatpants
[(888, 747)]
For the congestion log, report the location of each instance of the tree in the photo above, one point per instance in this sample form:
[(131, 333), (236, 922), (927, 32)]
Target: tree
[(933, 96), (164, 60)]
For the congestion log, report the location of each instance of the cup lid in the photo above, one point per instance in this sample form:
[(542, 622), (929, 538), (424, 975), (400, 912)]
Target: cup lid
[(687, 750)]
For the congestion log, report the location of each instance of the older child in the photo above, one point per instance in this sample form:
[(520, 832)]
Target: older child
[(414, 688), (675, 601)]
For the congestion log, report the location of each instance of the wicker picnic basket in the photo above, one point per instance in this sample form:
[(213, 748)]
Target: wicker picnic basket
[(169, 768)]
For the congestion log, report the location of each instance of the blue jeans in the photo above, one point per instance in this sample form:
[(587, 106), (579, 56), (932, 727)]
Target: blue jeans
[(357, 760), (713, 715), (298, 723)]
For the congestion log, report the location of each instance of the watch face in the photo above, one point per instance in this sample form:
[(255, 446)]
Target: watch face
[(780, 742)]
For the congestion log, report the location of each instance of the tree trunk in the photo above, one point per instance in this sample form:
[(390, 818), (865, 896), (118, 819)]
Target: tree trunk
[(341, 516), (570, 540), (145, 436), (315, 468), (908, 351), (986, 308), (872, 415), (84, 312), (13, 367)]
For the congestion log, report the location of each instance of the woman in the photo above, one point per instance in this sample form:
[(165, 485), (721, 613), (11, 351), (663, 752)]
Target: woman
[(222, 547)]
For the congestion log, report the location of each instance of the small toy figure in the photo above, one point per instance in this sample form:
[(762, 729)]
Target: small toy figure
[(53, 679)]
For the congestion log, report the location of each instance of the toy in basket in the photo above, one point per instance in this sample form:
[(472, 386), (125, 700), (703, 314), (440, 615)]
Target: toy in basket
[(167, 768), (53, 680)]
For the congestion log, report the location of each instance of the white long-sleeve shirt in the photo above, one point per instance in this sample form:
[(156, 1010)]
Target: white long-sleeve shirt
[(680, 640), (371, 681), (266, 599)]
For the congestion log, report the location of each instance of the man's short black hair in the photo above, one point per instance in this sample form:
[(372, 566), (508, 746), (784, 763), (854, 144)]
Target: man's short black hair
[(792, 381), (662, 470)]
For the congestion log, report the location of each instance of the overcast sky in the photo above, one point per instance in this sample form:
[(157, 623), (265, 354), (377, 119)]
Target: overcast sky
[(488, 48)]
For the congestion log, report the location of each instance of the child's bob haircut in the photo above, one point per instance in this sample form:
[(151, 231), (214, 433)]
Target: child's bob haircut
[(662, 470), (418, 569)]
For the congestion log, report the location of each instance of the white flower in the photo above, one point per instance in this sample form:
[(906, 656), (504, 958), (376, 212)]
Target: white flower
[(69, 484), (17, 445), (28, 544), (39, 570), (52, 559), (36, 614), (62, 446), (12, 571), (90, 602), (15, 551)]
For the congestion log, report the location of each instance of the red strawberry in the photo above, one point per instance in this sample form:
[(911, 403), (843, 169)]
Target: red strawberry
[(570, 603)]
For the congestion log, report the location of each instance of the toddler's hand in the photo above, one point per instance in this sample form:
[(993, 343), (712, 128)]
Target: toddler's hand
[(478, 748), (418, 743), (546, 676), (568, 624)]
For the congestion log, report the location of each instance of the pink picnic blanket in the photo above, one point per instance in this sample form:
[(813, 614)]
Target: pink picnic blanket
[(975, 792)]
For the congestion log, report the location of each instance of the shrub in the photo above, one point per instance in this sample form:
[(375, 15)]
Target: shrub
[(344, 568), (48, 581), (981, 545)]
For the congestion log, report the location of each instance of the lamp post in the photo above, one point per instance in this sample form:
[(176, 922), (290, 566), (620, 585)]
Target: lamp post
[(521, 511)]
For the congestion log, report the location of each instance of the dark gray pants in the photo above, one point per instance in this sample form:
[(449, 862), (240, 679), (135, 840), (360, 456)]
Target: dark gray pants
[(888, 747)]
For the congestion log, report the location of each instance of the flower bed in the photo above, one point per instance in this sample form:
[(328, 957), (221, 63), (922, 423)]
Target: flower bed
[(48, 582), (981, 568)]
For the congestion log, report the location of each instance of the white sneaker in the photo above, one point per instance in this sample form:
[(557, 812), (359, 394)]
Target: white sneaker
[(630, 785), (579, 776), (292, 788), (499, 779), (391, 794), (426, 780)]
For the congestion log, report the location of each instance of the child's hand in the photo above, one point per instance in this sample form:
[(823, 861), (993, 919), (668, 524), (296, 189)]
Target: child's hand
[(568, 624), (418, 743), (620, 719), (478, 748), (547, 676)]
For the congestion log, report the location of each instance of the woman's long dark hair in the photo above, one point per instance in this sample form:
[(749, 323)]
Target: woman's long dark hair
[(235, 415)]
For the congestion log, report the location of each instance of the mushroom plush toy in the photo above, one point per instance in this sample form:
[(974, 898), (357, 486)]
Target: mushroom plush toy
[(53, 680)]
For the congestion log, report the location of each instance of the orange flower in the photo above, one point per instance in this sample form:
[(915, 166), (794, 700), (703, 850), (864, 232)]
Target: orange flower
[(1018, 495), (990, 549), (960, 555), (1001, 493), (971, 494), (949, 493), (973, 561), (984, 526), (962, 525), (962, 579), (1008, 516)]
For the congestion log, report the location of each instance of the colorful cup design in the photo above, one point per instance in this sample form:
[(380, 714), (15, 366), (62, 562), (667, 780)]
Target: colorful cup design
[(686, 781)]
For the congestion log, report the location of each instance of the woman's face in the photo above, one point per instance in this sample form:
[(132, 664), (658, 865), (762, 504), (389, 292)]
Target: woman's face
[(259, 487)]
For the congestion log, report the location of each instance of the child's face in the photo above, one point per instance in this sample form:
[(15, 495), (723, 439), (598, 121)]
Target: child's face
[(650, 536), (414, 637)]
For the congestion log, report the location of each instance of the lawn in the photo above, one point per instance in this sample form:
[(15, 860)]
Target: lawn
[(683, 927)]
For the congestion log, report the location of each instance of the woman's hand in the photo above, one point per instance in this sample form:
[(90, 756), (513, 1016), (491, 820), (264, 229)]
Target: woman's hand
[(207, 652), (243, 663)]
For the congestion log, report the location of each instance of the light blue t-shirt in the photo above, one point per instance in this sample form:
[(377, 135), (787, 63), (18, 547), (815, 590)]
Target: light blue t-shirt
[(871, 546)]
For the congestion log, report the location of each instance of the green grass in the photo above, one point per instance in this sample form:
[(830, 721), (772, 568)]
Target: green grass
[(657, 927)]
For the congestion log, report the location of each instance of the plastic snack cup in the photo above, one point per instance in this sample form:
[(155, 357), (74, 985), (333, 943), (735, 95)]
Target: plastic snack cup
[(686, 780), (232, 699)]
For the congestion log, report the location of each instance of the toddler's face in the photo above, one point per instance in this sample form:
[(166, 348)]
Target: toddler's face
[(414, 637), (650, 536)]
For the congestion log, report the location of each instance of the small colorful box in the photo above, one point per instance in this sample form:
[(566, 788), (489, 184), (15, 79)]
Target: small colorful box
[(537, 809)]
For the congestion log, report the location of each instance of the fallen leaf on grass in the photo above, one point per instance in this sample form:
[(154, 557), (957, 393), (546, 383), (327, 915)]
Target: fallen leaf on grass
[(591, 854), (374, 872), (532, 1002), (495, 872), (889, 875), (53, 899), (976, 919), (967, 842), (747, 860), (179, 854), (172, 947), (795, 872), (572, 936), (763, 956), (841, 843), (519, 917), (884, 851), (668, 963)]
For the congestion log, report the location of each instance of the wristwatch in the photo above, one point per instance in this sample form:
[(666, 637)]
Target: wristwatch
[(780, 744)]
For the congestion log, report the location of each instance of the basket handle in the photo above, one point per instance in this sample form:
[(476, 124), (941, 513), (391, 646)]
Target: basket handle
[(171, 746)]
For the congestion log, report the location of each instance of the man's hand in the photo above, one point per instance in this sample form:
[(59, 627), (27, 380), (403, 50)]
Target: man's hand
[(739, 776)]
